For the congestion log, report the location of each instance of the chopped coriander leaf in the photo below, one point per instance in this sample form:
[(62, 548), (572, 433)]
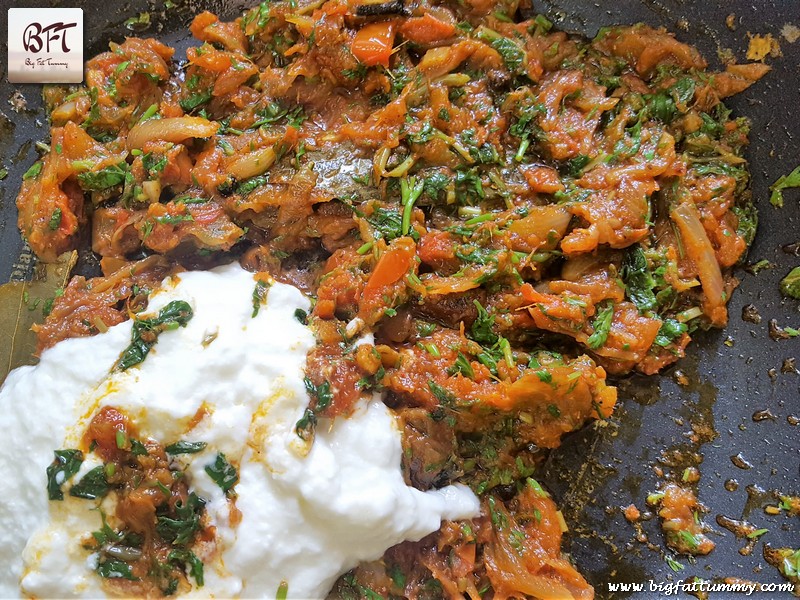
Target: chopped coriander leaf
[(674, 564), (792, 180), (65, 465), (259, 296), (103, 179), (481, 330), (111, 568), (175, 314), (462, 366), (190, 559), (194, 100), (222, 473), (181, 530), (34, 171), (185, 448), (321, 393), (387, 223), (790, 285), (513, 55), (639, 282), (138, 448), (757, 533), (670, 331), (601, 327), (55, 220), (92, 486)]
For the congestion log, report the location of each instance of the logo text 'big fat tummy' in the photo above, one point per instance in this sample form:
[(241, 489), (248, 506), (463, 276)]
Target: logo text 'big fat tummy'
[(45, 45)]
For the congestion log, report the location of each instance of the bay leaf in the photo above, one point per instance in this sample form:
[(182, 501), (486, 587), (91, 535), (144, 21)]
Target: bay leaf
[(22, 304)]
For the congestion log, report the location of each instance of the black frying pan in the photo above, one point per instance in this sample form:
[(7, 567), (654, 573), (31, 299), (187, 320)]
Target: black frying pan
[(732, 374)]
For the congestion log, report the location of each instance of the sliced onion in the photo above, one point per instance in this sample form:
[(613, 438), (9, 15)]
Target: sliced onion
[(252, 164), (700, 250), (174, 129)]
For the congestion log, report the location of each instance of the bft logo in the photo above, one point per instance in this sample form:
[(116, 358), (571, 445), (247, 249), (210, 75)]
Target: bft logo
[(45, 45), (32, 37)]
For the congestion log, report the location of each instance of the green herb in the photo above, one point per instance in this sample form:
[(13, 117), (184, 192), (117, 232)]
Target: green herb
[(283, 591), (63, 468), (111, 568), (3, 173), (757, 533), (601, 327), (304, 428), (185, 448), (423, 135), (575, 166), (791, 563), (138, 23), (187, 557), (301, 316), (321, 393), (674, 564), (387, 223), (149, 113), (103, 179), (174, 219), (748, 221), (790, 285), (259, 296), (222, 473), (444, 396), (194, 100), (688, 538), (153, 164), (410, 190), (462, 366), (181, 530), (481, 330), (639, 282), (92, 486), (145, 332), (34, 171), (436, 182), (138, 448), (470, 181), (274, 112), (55, 220), (526, 128), (514, 56), (359, 72), (670, 331), (251, 184), (792, 180), (105, 535), (537, 488)]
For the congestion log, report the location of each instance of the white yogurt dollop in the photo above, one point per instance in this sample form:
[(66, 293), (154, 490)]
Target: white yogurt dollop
[(306, 517)]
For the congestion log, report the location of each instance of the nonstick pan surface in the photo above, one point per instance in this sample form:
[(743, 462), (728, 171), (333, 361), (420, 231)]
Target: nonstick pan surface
[(738, 381)]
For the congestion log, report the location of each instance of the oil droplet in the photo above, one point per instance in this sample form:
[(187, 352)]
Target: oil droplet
[(763, 415), (739, 461), (731, 485)]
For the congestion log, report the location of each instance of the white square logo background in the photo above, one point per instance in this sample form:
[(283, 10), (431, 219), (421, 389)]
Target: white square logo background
[(45, 45)]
